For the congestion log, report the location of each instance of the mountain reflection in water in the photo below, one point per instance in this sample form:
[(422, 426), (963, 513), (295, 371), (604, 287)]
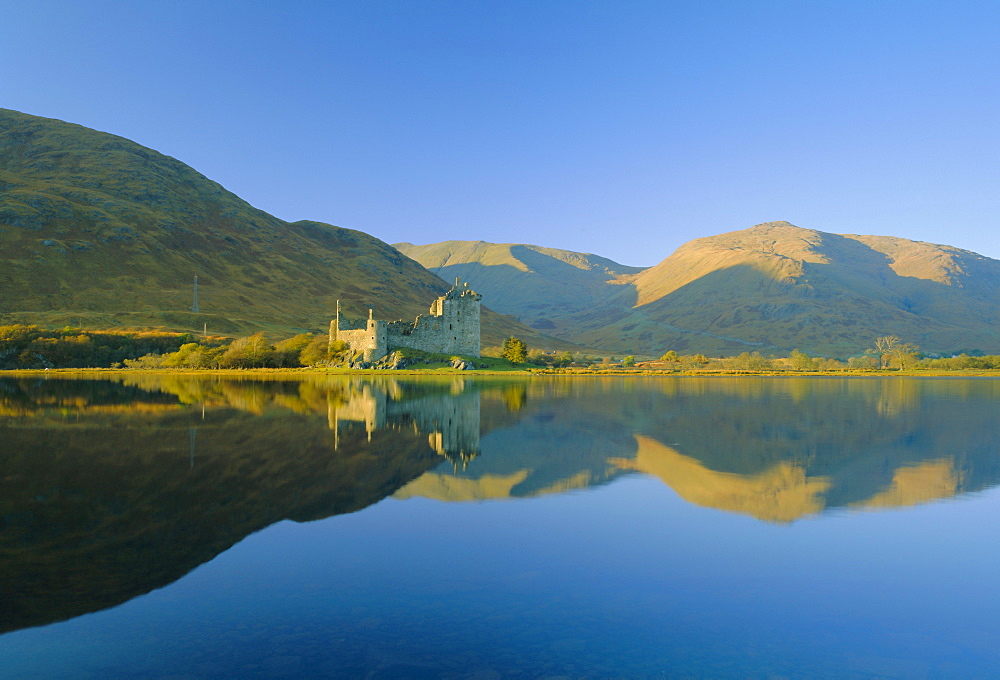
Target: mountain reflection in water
[(777, 449), (110, 488)]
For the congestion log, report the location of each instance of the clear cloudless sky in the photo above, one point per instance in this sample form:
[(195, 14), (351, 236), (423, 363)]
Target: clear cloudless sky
[(618, 128)]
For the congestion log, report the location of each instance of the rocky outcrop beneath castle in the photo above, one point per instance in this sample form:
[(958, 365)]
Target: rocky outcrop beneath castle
[(394, 361)]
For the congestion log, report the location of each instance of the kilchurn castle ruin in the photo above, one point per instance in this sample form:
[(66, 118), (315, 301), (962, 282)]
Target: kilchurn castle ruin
[(451, 327)]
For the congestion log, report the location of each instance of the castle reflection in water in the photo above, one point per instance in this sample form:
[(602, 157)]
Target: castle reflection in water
[(450, 420)]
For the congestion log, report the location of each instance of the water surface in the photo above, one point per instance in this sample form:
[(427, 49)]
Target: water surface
[(178, 527)]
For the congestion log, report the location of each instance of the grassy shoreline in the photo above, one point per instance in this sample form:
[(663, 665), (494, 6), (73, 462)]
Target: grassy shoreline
[(513, 371)]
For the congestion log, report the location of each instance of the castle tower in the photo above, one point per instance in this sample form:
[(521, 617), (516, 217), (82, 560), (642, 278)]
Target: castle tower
[(459, 314)]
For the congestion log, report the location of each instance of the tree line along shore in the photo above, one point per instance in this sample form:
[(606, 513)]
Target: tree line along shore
[(28, 347)]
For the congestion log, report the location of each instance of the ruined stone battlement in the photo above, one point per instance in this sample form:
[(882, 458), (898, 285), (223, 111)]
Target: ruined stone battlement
[(451, 326)]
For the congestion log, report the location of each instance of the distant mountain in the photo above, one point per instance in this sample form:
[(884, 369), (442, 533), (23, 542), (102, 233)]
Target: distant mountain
[(771, 288), (775, 287), (98, 231), (543, 287)]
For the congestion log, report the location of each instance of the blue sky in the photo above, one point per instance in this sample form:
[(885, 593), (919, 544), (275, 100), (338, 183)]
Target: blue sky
[(619, 128)]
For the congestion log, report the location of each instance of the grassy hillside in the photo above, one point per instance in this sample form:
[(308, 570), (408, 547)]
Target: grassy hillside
[(771, 288), (540, 286), (97, 231), (776, 287)]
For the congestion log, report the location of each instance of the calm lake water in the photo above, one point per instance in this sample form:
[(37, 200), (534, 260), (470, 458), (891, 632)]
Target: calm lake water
[(178, 527)]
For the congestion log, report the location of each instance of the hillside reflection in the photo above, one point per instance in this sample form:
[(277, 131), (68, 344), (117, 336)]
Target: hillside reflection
[(110, 488)]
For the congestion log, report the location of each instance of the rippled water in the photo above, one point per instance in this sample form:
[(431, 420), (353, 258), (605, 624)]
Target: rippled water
[(177, 527)]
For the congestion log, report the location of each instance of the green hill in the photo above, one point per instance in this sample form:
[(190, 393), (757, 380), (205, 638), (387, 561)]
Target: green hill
[(97, 231)]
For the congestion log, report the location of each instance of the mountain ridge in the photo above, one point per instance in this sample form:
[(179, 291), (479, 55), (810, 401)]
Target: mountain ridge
[(772, 287), (98, 231)]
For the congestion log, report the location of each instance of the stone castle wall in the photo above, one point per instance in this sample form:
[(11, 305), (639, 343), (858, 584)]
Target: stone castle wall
[(452, 326), (371, 338)]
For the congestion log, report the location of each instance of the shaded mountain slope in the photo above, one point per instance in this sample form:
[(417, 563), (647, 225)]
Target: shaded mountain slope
[(97, 231), (540, 286)]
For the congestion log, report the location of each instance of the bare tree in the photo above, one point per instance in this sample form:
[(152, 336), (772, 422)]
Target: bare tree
[(889, 349)]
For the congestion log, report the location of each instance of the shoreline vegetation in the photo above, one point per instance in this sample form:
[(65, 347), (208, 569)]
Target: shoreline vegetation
[(524, 371), (30, 349)]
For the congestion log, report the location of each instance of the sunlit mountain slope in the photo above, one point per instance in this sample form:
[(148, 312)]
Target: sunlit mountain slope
[(776, 287), (771, 288)]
